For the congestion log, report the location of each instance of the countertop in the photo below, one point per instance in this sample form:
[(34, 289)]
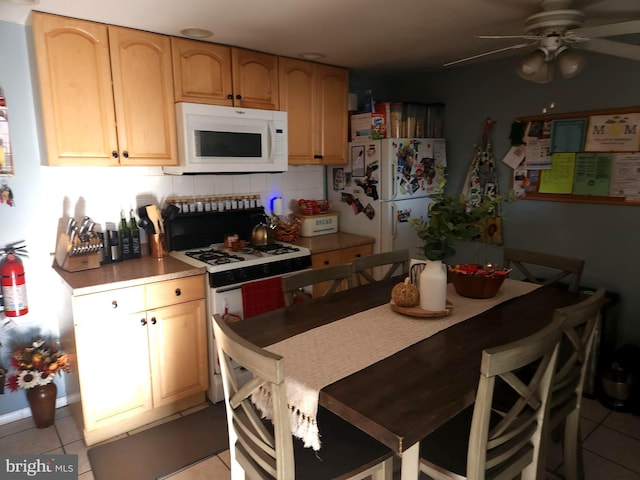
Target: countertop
[(333, 241), (127, 273)]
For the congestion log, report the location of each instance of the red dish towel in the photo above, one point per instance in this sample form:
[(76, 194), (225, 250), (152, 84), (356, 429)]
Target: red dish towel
[(262, 296)]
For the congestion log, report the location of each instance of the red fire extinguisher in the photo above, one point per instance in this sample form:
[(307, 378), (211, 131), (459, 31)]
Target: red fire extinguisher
[(14, 288)]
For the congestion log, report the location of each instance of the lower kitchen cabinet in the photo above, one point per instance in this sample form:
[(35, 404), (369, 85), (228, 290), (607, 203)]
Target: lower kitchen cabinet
[(337, 257), (141, 354)]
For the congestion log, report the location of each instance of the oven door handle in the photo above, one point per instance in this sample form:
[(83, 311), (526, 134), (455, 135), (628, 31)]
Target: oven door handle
[(228, 288)]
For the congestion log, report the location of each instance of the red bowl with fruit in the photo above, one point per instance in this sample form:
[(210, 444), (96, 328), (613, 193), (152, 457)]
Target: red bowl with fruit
[(313, 207), (477, 281)]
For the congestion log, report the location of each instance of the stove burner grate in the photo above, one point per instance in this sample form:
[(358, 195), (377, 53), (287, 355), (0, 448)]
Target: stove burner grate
[(276, 249), (214, 257)]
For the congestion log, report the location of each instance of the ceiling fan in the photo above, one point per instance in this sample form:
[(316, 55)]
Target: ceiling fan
[(557, 33)]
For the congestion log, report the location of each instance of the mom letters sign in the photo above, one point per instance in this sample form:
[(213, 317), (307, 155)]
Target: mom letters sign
[(613, 133)]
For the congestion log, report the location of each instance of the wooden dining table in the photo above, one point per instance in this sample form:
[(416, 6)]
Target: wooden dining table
[(402, 398)]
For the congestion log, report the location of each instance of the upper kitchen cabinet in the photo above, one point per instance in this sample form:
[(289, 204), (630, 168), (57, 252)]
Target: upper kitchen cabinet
[(315, 99), (107, 93), (221, 75), (255, 79), (201, 72)]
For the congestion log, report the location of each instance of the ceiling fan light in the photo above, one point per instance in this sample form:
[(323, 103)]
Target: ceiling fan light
[(534, 67), (570, 63)]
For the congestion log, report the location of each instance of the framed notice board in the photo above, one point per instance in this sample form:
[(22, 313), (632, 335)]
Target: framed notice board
[(584, 157)]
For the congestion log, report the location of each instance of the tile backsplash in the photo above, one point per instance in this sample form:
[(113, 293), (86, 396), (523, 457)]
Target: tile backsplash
[(102, 192)]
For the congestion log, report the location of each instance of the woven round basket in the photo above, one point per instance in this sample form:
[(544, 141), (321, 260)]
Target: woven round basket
[(476, 286)]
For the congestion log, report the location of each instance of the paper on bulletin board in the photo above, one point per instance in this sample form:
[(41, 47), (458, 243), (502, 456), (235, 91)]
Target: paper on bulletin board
[(567, 135), (593, 174), (625, 175), (559, 178), (613, 133), (537, 155)]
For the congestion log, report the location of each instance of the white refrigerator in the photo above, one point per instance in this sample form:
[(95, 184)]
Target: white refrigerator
[(383, 184)]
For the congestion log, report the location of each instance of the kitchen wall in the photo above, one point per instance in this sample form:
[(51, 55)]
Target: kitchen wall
[(45, 196), (606, 236)]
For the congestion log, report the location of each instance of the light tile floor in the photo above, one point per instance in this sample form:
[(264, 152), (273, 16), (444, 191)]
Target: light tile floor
[(611, 443)]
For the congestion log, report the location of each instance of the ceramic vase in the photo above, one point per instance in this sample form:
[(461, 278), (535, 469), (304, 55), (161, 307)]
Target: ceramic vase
[(42, 401), (433, 286)]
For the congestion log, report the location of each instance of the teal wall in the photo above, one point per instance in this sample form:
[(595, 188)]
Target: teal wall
[(606, 236)]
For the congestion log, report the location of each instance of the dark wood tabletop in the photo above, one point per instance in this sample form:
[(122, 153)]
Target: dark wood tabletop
[(401, 399)]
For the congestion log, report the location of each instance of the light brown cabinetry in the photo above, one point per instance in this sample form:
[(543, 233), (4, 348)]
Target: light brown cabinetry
[(222, 75), (141, 354), (106, 93), (315, 98), (337, 257)]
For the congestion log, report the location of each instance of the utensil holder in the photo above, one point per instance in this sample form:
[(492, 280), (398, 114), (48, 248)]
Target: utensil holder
[(157, 245), (78, 255)]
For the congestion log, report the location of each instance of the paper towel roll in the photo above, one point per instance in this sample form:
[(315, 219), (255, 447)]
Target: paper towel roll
[(277, 206)]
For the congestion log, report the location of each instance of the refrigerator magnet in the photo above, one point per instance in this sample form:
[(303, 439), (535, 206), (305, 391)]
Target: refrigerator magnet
[(357, 206), (369, 211), (403, 215)]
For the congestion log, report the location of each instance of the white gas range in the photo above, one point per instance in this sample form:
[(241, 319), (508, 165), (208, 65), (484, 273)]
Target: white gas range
[(197, 239)]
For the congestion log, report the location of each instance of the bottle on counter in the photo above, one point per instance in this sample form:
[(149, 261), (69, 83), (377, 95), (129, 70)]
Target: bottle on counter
[(134, 231), (125, 238)]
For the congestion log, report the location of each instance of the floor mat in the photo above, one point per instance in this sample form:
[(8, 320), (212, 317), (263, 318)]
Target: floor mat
[(164, 449)]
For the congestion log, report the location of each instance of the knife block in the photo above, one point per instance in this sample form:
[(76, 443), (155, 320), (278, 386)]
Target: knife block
[(77, 255)]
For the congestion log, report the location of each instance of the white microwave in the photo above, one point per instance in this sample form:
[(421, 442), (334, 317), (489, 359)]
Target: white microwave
[(215, 139)]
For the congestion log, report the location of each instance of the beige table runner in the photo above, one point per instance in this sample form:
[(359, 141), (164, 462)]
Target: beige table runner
[(324, 355)]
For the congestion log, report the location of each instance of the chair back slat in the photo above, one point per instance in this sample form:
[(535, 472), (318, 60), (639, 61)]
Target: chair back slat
[(556, 267), (257, 449), (514, 441), (579, 324), (292, 285), (396, 260)]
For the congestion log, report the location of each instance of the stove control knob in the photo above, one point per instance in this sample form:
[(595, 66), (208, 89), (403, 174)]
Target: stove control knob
[(265, 268), (230, 277)]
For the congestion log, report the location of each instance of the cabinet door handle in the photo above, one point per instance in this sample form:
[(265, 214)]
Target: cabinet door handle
[(125, 154), (318, 157), (114, 154), (229, 97), (358, 255), (178, 292), (326, 262), (143, 321), (114, 304), (238, 97), (153, 320)]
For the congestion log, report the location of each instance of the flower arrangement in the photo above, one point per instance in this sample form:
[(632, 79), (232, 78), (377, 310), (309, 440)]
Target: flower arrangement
[(37, 364)]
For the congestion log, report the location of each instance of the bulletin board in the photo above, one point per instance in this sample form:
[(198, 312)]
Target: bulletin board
[(582, 157)]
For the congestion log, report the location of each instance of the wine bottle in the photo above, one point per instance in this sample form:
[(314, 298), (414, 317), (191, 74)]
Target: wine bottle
[(125, 238), (136, 251)]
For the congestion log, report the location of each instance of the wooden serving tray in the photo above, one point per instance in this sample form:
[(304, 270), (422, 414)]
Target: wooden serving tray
[(418, 312)]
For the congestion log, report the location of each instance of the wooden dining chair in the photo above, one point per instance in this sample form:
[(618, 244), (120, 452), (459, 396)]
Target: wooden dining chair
[(558, 267), (578, 324), (482, 444), (293, 284), (396, 260), (266, 449)]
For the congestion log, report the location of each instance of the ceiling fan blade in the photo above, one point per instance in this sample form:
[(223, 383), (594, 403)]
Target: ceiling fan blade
[(492, 52), (609, 47), (525, 37), (609, 30)]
